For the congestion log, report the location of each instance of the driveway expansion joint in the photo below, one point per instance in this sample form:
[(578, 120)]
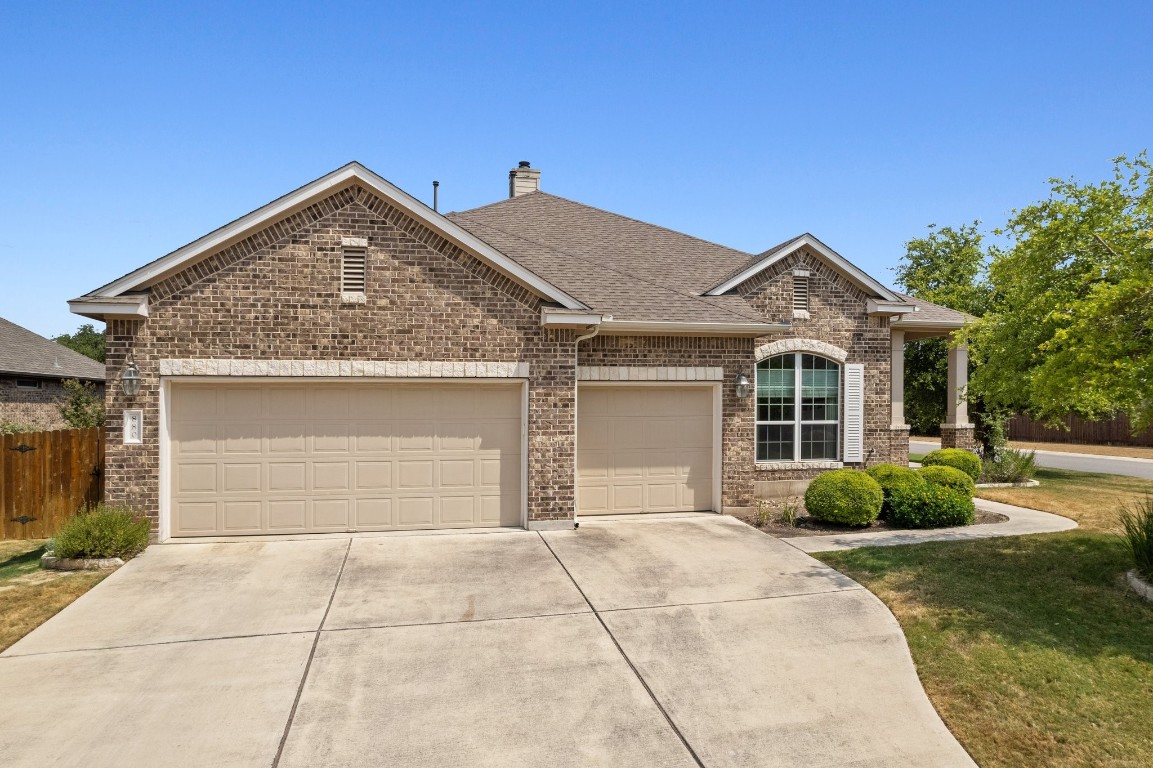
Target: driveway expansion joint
[(155, 644), (308, 663), (656, 702), (732, 600)]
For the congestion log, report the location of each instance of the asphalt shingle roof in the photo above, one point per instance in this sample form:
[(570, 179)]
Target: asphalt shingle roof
[(928, 313), (613, 264), (24, 352)]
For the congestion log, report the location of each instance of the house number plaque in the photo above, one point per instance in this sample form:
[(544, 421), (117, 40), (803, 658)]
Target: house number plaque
[(133, 427)]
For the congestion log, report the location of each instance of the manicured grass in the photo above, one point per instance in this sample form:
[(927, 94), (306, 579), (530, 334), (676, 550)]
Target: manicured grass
[(29, 596), (916, 457), (1031, 648), (1089, 498)]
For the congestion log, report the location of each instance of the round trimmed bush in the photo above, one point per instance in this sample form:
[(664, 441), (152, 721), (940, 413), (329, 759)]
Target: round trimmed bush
[(931, 506), (966, 461), (949, 477), (889, 476), (846, 496)]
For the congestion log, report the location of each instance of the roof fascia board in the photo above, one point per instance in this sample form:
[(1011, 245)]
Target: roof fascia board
[(116, 307), (876, 307), (839, 262), (319, 189), (658, 328), (551, 318)]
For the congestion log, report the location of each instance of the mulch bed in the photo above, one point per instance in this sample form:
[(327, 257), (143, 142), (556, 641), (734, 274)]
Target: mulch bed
[(810, 526)]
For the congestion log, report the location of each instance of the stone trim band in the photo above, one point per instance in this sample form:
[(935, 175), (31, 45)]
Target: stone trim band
[(801, 345), (649, 373), (433, 369)]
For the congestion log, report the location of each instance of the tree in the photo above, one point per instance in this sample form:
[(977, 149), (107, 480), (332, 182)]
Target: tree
[(946, 267), (87, 341), (81, 407), (1072, 327)]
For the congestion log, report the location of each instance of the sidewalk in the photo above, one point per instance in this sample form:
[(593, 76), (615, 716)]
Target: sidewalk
[(1021, 522)]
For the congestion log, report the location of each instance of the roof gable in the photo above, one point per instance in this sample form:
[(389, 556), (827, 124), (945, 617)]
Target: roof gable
[(763, 261), (97, 302)]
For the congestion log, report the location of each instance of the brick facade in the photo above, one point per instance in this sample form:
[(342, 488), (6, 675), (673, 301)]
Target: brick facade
[(276, 296), (34, 407)]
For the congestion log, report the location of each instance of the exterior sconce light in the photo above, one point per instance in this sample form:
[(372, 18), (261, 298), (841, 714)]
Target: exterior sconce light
[(743, 387), (130, 381)]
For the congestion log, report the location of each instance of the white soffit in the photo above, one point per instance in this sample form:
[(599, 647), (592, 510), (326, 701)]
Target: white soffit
[(310, 193), (815, 246)]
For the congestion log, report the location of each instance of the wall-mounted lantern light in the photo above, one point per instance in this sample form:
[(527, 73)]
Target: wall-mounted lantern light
[(743, 387), (130, 381)]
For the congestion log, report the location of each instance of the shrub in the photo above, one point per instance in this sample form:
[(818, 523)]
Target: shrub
[(1008, 465), (966, 461), (103, 532), (931, 506), (948, 477), (889, 476), (16, 427), (846, 496), (81, 407), (1137, 532)]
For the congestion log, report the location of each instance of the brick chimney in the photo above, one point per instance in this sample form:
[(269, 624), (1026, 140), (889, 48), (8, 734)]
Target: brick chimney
[(523, 179)]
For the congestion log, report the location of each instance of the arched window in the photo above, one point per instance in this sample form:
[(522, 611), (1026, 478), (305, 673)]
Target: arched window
[(798, 408)]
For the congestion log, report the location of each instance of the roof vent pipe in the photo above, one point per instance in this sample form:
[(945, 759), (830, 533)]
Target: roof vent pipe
[(523, 179), (435, 186)]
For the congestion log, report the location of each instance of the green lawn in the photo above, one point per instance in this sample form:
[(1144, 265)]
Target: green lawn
[(1031, 648)]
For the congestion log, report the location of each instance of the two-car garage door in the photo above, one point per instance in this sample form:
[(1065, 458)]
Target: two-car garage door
[(301, 458)]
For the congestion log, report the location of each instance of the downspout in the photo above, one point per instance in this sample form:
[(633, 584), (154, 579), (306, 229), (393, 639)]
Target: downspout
[(576, 386)]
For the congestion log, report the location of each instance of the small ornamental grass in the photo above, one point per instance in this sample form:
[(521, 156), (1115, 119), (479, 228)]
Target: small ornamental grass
[(1137, 533), (102, 532), (890, 476), (931, 506), (966, 461), (1008, 465), (949, 477), (846, 496)]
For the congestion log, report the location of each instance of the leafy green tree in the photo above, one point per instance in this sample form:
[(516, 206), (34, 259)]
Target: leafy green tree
[(946, 267), (81, 407), (87, 341), (1072, 327)]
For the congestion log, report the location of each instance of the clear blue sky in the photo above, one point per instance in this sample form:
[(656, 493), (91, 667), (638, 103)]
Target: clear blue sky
[(127, 131)]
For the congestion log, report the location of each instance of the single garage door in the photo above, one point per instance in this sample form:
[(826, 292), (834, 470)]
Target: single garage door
[(302, 458), (644, 449)]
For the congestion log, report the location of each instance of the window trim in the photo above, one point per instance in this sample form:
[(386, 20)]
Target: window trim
[(797, 421)]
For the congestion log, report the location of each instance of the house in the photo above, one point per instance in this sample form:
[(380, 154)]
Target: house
[(32, 374), (347, 359)]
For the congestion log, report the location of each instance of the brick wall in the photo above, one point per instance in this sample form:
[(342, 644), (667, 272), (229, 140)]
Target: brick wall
[(34, 407), (838, 312), (276, 295)]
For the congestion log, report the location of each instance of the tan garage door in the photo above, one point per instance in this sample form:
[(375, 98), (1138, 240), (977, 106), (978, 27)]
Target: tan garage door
[(644, 449), (277, 458)]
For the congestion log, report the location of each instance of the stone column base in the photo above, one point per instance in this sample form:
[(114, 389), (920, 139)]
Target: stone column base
[(959, 436), (899, 444)]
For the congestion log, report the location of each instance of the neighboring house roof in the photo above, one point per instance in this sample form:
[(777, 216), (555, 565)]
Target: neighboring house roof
[(24, 352), (116, 298)]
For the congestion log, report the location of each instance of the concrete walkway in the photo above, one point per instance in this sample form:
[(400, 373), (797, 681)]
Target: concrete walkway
[(1021, 522), (678, 642)]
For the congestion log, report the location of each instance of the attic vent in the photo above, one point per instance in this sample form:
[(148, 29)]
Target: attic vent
[(352, 274), (801, 293)]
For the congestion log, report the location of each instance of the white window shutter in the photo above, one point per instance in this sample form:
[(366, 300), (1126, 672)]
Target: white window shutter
[(854, 412)]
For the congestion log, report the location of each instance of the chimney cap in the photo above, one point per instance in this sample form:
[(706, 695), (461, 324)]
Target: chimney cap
[(524, 164)]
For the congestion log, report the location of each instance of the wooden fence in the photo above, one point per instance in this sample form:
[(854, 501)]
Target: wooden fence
[(46, 477), (1115, 431)]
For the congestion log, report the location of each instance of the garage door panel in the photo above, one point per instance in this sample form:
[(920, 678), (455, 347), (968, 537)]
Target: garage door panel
[(239, 478), (287, 514), (644, 448), (241, 516), (303, 459), (286, 476)]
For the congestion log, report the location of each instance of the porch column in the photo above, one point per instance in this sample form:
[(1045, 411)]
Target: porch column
[(897, 379), (898, 429), (957, 432)]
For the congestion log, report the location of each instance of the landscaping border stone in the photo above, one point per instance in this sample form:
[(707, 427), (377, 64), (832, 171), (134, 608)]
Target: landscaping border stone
[(1018, 484), (53, 563), (1139, 585)]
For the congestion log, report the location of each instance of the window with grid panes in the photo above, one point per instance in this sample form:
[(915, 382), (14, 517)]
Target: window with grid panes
[(798, 408)]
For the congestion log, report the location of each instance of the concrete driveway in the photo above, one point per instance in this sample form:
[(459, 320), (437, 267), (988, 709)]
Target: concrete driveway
[(657, 642)]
